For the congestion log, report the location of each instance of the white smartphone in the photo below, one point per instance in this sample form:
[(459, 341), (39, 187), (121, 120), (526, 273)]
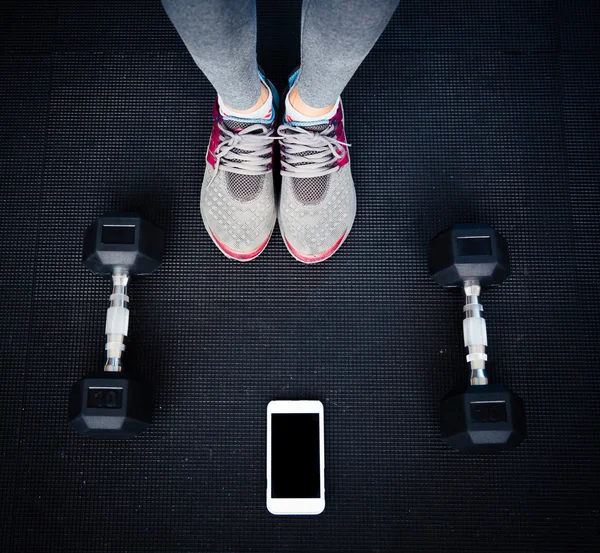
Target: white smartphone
[(295, 458)]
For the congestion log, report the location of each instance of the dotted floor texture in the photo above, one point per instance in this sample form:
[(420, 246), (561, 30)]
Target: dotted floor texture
[(463, 112)]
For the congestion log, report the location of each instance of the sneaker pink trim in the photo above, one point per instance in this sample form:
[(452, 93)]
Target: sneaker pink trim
[(240, 256), (318, 257)]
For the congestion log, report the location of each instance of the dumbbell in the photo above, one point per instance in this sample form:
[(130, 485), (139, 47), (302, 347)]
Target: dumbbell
[(484, 417), (113, 404)]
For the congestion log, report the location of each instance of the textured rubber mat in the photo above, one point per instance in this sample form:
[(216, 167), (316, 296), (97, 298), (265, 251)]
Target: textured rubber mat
[(482, 112)]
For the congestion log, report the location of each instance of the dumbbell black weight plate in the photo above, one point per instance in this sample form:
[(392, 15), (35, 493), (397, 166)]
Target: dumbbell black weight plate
[(468, 252), (123, 240), (110, 405), (483, 419)]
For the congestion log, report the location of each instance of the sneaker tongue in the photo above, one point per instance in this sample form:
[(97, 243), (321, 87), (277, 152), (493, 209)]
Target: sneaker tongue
[(310, 126), (237, 124)]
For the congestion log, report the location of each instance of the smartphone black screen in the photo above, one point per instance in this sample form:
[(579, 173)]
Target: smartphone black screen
[(295, 455)]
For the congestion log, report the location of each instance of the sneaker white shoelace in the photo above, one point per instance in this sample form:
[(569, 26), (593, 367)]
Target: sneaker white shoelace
[(247, 152), (309, 153)]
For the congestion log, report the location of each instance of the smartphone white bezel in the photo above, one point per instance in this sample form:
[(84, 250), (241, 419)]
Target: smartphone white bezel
[(296, 505)]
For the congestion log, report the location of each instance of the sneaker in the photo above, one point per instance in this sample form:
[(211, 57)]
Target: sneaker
[(318, 200), (237, 201)]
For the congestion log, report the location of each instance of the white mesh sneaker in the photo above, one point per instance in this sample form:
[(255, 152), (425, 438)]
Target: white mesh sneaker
[(318, 200), (237, 201)]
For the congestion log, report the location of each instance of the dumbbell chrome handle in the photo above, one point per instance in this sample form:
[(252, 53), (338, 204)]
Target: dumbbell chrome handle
[(117, 321), (474, 333)]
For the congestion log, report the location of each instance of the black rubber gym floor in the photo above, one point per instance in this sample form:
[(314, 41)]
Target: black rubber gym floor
[(464, 112)]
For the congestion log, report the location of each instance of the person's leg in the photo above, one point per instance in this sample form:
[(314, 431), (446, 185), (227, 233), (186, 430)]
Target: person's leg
[(336, 37), (237, 200), (318, 201), (221, 37)]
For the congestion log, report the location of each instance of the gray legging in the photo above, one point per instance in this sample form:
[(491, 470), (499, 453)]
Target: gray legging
[(336, 37)]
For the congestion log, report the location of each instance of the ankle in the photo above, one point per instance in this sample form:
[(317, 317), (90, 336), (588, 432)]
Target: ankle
[(305, 109), (264, 96)]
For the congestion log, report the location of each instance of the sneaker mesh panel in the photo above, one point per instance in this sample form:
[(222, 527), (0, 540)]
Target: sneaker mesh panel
[(310, 191), (244, 188)]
